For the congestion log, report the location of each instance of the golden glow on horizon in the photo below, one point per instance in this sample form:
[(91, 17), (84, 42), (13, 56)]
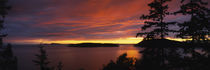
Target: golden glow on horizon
[(129, 40), (118, 41), (177, 39)]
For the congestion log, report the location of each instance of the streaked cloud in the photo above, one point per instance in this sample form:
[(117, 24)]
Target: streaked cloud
[(33, 21)]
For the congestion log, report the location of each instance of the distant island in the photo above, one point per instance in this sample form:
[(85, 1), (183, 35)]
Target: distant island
[(93, 45)]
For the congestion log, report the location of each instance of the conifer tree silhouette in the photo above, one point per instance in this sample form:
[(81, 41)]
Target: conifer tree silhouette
[(198, 27), (60, 66), (3, 12), (159, 10), (42, 60), (7, 60)]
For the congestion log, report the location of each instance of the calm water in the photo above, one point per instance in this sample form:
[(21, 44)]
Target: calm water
[(74, 58)]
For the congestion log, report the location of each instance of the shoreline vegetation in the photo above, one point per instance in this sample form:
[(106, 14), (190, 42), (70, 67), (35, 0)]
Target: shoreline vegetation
[(166, 43), (93, 45), (164, 54)]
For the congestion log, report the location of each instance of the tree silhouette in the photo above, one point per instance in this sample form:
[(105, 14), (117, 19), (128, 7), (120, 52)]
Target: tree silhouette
[(159, 10), (7, 60), (152, 59), (8, 51), (122, 63), (3, 12), (197, 28), (60, 66), (42, 60)]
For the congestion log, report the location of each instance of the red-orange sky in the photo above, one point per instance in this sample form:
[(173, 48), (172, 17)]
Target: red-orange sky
[(76, 21)]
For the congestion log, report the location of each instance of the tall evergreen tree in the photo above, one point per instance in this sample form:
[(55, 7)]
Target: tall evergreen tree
[(42, 60), (7, 60), (3, 12), (159, 10), (198, 27)]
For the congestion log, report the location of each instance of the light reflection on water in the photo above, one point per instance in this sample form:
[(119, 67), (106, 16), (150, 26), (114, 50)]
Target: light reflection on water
[(131, 51), (74, 58)]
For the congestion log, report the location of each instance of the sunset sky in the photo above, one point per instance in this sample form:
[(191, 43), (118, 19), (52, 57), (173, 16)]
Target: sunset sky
[(77, 21)]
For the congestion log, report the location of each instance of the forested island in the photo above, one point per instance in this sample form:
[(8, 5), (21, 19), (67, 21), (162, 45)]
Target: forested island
[(166, 43), (161, 43), (93, 45)]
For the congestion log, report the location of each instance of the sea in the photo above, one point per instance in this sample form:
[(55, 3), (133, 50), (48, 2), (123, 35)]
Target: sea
[(73, 58)]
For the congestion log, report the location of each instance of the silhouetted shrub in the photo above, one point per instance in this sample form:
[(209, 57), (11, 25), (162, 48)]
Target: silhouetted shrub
[(122, 63)]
